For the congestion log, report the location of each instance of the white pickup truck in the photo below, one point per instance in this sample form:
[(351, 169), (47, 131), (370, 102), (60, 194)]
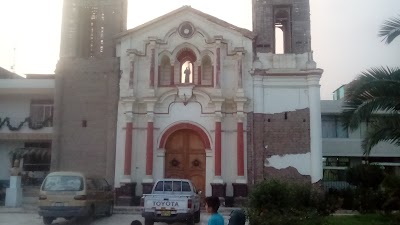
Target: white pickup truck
[(172, 200)]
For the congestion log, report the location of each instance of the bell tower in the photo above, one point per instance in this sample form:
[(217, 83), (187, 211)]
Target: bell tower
[(282, 23), (89, 25), (87, 87)]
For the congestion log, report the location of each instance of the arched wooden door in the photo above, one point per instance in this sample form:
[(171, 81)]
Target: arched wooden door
[(185, 158)]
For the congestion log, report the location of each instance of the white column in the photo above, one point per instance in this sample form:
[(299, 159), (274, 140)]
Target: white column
[(315, 127), (258, 94)]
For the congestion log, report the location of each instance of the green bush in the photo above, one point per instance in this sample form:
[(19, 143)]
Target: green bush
[(391, 187), (365, 175), (275, 202)]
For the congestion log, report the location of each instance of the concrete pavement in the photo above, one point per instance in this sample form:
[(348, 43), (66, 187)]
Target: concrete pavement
[(116, 219)]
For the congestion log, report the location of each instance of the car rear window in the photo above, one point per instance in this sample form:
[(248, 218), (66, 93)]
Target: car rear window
[(63, 183)]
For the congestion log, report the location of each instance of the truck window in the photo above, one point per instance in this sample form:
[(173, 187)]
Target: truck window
[(159, 186), (177, 185), (167, 185), (185, 187)]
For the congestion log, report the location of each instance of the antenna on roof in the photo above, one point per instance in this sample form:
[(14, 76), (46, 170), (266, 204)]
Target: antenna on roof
[(13, 65)]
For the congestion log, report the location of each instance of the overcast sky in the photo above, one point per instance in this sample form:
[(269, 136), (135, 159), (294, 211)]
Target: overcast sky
[(344, 32)]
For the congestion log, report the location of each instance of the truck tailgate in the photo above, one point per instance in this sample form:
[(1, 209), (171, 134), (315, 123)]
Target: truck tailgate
[(159, 204)]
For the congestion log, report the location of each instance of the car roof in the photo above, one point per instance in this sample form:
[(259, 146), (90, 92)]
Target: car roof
[(66, 173), (73, 173)]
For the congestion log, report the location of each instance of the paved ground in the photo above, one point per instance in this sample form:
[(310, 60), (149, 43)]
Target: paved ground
[(117, 219)]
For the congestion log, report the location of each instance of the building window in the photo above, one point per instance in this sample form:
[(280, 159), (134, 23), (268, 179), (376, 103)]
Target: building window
[(42, 111), (332, 127), (165, 71), (207, 71)]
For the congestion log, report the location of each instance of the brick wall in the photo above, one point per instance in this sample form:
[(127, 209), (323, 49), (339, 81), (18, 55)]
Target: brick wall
[(283, 133)]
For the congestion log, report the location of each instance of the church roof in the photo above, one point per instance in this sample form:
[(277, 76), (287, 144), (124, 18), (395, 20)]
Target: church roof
[(244, 32)]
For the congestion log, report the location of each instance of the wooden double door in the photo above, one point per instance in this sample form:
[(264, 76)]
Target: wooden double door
[(185, 158)]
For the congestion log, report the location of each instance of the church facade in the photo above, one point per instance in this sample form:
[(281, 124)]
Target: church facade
[(188, 95)]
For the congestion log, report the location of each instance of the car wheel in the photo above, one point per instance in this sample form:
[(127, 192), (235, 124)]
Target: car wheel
[(92, 213), (148, 222), (197, 217), (48, 220), (190, 221), (110, 210)]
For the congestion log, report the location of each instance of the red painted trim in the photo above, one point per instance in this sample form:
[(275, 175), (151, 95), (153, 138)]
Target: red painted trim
[(183, 126), (199, 75), (152, 68), (172, 75), (218, 146), (218, 67), (131, 75), (240, 149), (128, 149), (240, 74), (149, 149), (159, 76)]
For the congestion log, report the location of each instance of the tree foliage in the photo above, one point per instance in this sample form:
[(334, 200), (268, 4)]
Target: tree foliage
[(374, 97), (390, 29)]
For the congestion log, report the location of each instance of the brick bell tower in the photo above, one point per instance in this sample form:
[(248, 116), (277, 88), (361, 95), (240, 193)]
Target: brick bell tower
[(284, 138), (86, 89), (290, 17)]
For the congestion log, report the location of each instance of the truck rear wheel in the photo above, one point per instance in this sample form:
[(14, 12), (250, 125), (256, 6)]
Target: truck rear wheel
[(48, 220), (190, 221), (197, 217), (148, 222)]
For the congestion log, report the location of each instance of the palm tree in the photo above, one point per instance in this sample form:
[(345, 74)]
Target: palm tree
[(374, 97), (390, 29)]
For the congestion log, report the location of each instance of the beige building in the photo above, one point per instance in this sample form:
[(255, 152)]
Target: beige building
[(187, 95)]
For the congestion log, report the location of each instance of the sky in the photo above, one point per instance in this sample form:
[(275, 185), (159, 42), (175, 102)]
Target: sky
[(344, 33)]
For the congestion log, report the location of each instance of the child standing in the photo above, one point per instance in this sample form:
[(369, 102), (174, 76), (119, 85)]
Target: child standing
[(212, 206)]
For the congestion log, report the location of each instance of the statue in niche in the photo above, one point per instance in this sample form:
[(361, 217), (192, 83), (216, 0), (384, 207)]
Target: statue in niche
[(15, 170), (187, 75)]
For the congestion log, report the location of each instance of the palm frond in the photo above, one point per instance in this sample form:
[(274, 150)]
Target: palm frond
[(390, 29), (374, 91), (384, 128)]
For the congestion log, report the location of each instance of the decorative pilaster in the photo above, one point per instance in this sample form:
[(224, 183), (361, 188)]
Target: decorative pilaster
[(152, 61), (218, 40), (132, 71), (128, 148), (240, 148), (218, 186), (239, 58), (149, 145), (240, 186), (128, 107), (315, 127), (149, 140), (218, 146), (240, 139)]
